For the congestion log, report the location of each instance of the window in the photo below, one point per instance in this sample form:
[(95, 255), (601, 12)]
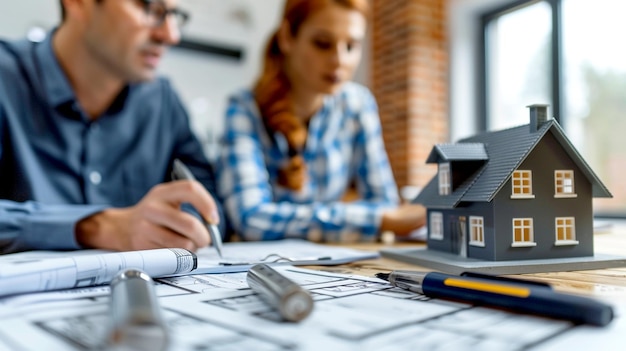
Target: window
[(565, 231), (522, 185), (518, 69), (436, 225), (564, 184), (444, 179), (548, 51), (523, 232), (477, 231)]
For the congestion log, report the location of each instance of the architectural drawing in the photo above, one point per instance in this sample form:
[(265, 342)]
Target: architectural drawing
[(351, 313)]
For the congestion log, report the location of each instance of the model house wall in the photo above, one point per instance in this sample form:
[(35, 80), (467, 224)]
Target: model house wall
[(521, 193)]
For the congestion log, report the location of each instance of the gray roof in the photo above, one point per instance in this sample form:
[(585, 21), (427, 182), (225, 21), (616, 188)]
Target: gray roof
[(506, 149), (457, 152)]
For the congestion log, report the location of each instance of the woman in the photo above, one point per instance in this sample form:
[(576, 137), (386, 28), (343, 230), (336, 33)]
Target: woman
[(295, 145)]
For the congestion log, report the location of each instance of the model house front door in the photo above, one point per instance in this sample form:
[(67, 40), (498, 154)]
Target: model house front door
[(463, 236), (459, 235)]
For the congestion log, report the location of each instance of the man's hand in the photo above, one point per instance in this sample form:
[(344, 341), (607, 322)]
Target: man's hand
[(404, 219), (155, 222)]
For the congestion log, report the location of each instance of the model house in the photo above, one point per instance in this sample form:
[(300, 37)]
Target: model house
[(516, 194)]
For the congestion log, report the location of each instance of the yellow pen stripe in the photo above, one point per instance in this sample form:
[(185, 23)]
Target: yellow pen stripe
[(488, 287)]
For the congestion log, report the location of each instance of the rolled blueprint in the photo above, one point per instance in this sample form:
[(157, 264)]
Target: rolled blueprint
[(44, 274)]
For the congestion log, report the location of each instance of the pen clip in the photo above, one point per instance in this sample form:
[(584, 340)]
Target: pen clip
[(506, 279)]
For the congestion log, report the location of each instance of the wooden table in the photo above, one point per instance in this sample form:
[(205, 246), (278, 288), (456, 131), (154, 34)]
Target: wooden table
[(604, 284)]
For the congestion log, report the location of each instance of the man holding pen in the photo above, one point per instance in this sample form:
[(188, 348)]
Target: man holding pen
[(88, 135)]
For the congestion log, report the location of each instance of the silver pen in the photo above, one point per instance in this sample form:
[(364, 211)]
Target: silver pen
[(136, 320), (181, 172), (292, 301)]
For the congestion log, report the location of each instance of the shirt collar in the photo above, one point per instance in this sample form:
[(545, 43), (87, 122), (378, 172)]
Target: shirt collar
[(57, 88)]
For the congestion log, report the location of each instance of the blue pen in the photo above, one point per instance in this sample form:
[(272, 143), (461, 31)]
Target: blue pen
[(516, 296)]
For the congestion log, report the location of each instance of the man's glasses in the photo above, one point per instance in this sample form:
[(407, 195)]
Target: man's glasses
[(156, 13)]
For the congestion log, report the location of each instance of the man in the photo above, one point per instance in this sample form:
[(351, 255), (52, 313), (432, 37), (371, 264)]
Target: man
[(88, 135)]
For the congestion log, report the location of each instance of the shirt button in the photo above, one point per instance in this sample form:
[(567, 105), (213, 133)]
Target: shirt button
[(95, 178)]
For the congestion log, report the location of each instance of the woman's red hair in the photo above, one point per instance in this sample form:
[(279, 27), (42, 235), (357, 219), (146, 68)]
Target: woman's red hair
[(272, 88)]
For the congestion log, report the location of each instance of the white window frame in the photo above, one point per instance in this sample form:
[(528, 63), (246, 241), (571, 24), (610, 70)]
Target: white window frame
[(477, 231), (567, 224), (524, 191), (524, 224), (436, 225), (564, 184), (445, 184)]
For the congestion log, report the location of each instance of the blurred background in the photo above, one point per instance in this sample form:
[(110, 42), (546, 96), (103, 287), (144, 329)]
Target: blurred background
[(441, 70)]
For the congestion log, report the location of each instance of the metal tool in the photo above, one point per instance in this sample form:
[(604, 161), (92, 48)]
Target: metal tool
[(292, 301), (136, 321)]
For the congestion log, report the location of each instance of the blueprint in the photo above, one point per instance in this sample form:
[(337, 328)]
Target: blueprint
[(220, 312)]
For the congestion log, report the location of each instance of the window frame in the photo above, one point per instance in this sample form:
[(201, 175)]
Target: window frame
[(477, 231), (436, 221), (556, 59), (568, 222), (563, 175), (530, 225), (521, 175), (443, 169)]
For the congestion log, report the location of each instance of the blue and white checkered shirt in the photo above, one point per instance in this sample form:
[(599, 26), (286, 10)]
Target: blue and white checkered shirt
[(344, 145)]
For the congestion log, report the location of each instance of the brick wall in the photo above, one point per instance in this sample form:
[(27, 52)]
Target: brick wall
[(410, 81)]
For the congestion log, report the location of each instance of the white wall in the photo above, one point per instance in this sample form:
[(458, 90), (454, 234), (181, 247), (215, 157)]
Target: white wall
[(205, 81), (17, 16)]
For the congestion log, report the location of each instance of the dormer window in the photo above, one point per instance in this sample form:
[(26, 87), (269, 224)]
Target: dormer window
[(522, 185), (564, 183), (445, 186)]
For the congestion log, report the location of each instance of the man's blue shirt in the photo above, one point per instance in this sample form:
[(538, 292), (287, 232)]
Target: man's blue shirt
[(58, 166)]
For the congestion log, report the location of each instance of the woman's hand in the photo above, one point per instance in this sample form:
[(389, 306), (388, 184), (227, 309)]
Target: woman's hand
[(404, 219)]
